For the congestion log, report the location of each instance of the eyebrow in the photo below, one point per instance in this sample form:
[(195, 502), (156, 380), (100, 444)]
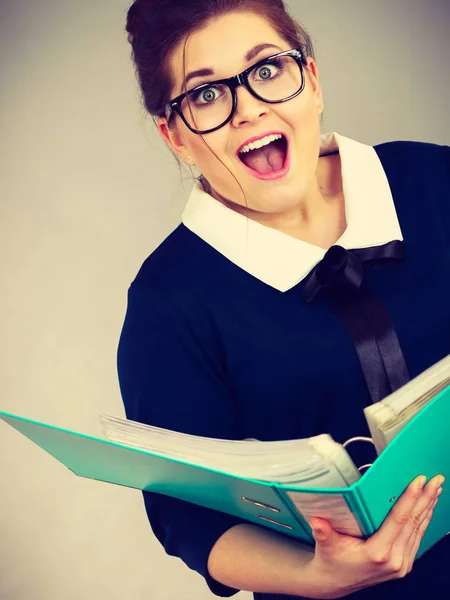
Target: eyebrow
[(250, 55)]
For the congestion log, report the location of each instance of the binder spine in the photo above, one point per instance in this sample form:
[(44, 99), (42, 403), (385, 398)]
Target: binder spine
[(295, 515), (355, 501)]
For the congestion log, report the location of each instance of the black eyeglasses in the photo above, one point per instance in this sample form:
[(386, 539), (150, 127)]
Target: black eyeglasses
[(210, 106)]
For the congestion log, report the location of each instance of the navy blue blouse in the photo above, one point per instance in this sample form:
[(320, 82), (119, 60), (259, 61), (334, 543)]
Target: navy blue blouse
[(208, 349)]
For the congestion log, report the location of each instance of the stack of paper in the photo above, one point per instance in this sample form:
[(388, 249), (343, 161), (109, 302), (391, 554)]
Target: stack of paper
[(318, 461), (388, 417)]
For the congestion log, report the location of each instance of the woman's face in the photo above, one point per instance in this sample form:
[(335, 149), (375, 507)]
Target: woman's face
[(222, 46)]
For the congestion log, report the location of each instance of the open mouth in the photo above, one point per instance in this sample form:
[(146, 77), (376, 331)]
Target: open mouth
[(269, 161)]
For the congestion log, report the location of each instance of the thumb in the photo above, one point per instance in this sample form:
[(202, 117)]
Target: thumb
[(323, 533)]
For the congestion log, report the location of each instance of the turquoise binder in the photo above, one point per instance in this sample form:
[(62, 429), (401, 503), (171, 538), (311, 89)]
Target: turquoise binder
[(422, 447)]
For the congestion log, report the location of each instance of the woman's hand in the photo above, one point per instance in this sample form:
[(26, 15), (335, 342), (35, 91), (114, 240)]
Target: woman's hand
[(343, 564)]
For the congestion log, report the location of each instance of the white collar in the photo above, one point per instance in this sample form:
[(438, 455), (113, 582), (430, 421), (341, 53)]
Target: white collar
[(280, 260)]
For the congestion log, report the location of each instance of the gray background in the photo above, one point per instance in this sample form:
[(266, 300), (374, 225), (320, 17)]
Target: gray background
[(87, 191)]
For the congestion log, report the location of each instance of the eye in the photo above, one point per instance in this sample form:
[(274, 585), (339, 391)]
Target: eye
[(269, 70), (206, 95)]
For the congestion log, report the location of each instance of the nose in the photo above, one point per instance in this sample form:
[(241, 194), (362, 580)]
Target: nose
[(248, 108)]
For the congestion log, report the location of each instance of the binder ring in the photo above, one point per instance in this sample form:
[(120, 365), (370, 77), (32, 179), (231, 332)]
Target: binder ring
[(358, 438), (364, 466)]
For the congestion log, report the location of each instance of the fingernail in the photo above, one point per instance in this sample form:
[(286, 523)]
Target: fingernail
[(318, 532), (439, 492), (440, 481), (420, 481)]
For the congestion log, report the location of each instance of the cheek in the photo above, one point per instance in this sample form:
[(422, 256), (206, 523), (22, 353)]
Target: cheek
[(303, 111), (305, 125), (212, 143)]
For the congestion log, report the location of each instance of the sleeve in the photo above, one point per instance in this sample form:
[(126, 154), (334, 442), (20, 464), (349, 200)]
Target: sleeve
[(169, 379)]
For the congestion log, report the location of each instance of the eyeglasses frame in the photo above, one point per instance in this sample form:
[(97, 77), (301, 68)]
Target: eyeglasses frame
[(233, 82)]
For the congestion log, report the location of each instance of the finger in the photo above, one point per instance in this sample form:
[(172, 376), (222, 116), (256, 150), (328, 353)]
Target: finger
[(324, 535), (421, 526), (417, 515), (407, 544), (413, 548), (382, 540)]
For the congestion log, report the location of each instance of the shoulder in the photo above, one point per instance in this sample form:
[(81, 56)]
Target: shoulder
[(410, 155), (174, 256), (419, 175), (176, 268)]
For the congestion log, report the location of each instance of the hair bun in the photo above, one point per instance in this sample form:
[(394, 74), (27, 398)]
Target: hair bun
[(137, 14), (133, 21)]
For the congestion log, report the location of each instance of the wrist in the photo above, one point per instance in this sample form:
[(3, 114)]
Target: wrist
[(314, 582)]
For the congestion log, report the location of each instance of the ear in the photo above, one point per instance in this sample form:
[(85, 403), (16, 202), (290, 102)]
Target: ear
[(173, 138), (312, 73)]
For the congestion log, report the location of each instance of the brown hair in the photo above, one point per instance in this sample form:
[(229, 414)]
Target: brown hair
[(155, 28)]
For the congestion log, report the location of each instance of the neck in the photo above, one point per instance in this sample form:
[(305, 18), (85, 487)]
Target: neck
[(319, 221), (319, 218)]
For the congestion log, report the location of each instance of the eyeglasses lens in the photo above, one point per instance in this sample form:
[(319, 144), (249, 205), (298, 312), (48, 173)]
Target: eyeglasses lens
[(210, 106)]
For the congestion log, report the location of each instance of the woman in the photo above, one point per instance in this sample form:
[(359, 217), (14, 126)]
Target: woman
[(230, 330)]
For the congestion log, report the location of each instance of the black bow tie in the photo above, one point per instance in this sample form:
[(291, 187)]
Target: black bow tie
[(339, 278), (342, 270)]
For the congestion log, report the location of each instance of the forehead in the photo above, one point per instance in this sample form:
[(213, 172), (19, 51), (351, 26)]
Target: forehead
[(222, 44)]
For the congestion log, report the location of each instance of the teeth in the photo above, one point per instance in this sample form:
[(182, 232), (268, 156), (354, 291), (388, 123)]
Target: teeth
[(265, 141)]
